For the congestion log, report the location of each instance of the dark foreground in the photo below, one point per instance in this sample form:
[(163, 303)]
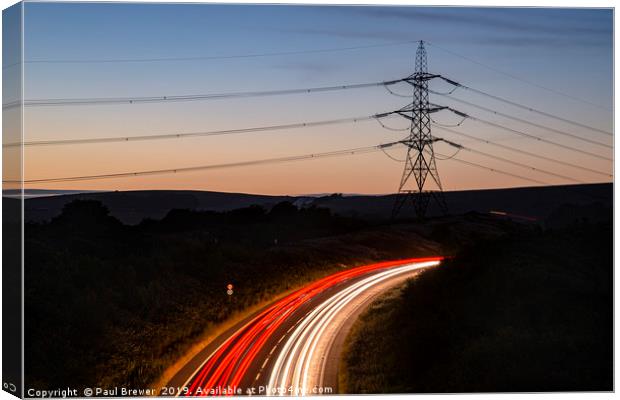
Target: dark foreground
[(108, 304), (523, 313)]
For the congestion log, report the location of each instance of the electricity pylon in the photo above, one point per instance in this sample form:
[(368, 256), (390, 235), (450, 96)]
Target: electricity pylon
[(420, 161)]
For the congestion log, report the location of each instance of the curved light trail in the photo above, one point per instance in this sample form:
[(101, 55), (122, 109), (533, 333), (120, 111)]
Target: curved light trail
[(282, 350), (299, 366)]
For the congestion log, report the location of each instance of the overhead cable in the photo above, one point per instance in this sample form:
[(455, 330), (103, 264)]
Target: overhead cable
[(527, 108), (509, 161), (517, 150), (127, 139), (524, 121), (207, 58), (193, 97), (518, 78), (337, 153), (530, 136)]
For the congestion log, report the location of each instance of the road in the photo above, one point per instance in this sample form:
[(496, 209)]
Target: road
[(292, 347)]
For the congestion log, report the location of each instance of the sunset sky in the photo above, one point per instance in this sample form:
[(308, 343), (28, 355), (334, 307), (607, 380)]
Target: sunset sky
[(569, 51)]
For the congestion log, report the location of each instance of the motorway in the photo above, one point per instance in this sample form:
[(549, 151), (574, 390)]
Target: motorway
[(292, 346)]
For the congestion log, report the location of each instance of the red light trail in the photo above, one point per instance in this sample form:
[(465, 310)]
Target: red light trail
[(228, 365)]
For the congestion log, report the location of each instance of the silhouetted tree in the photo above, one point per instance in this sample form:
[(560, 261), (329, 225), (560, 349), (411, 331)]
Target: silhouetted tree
[(283, 209), (86, 215), (253, 213)]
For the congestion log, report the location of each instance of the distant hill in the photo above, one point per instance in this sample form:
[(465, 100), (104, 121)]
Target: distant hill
[(530, 202), (29, 193), (133, 206)]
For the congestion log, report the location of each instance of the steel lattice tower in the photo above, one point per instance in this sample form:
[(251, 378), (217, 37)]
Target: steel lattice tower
[(420, 160)]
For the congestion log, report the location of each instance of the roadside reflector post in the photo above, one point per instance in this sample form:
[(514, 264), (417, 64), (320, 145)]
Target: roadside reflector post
[(229, 291)]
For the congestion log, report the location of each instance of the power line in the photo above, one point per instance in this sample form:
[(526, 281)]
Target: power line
[(194, 97), (126, 139), (566, 189), (495, 170), (530, 136), (392, 157), (448, 126), (514, 149), (511, 130), (458, 150), (517, 78), (509, 161), (207, 58), (393, 93), (527, 108), (447, 95), (524, 121), (336, 153), (12, 104), (389, 128)]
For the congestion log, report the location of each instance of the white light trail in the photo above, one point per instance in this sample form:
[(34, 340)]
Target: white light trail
[(301, 361)]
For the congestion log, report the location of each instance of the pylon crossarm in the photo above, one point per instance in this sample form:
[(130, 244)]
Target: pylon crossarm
[(425, 76), (426, 110), (413, 143)]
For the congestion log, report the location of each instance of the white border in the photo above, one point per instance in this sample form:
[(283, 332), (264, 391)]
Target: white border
[(479, 3)]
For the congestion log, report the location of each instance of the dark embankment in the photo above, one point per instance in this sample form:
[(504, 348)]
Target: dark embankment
[(527, 312), (109, 304)]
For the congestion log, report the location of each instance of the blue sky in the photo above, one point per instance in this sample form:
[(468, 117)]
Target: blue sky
[(569, 50), (525, 41)]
